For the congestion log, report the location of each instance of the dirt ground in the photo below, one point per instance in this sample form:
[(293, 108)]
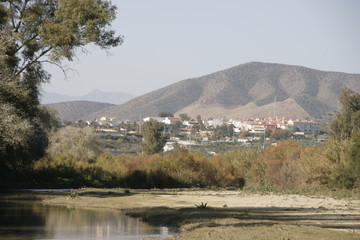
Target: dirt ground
[(226, 214)]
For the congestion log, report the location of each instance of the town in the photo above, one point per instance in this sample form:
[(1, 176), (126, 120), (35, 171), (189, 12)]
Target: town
[(192, 133)]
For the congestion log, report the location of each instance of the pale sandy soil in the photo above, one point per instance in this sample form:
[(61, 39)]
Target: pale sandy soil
[(231, 199), (228, 212), (315, 210)]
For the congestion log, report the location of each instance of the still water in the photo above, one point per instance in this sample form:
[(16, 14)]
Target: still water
[(27, 221)]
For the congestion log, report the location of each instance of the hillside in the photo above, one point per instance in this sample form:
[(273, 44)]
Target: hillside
[(77, 110), (244, 91)]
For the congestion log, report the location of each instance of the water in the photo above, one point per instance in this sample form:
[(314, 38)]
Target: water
[(27, 221)]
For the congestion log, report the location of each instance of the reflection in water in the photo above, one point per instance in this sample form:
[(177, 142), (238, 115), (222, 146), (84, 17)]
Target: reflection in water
[(36, 221)]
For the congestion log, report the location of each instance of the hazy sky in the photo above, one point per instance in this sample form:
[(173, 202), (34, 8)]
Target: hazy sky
[(166, 41)]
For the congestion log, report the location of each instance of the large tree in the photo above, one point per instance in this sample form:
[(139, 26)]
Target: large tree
[(32, 33), (345, 142)]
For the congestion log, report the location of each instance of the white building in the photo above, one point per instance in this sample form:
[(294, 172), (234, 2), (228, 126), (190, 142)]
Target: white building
[(171, 120), (158, 119), (306, 126)]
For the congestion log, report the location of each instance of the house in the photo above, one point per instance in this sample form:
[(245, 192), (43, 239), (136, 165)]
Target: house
[(257, 128), (270, 126), (308, 127), (285, 126), (245, 125), (172, 120), (169, 146), (158, 119), (189, 123), (106, 121), (214, 122)]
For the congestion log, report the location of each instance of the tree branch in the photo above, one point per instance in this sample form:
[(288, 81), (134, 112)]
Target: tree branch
[(63, 68), (21, 14), (33, 61), (26, 42), (12, 14)]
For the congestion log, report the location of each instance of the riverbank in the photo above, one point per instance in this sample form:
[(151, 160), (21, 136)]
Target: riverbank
[(222, 214)]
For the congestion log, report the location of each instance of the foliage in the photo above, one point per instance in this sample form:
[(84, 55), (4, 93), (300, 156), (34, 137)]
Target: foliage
[(354, 155), (153, 139), (245, 134), (23, 124), (220, 132), (78, 142), (33, 32), (165, 114), (348, 174), (184, 117), (281, 161), (347, 122), (280, 134), (288, 165), (345, 133), (202, 205), (174, 129)]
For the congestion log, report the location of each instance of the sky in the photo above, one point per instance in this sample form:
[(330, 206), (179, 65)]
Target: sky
[(166, 41)]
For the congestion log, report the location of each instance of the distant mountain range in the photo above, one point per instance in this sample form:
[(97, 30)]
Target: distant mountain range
[(94, 96), (248, 90)]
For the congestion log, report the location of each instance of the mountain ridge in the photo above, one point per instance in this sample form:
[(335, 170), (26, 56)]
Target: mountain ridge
[(248, 90), (226, 93)]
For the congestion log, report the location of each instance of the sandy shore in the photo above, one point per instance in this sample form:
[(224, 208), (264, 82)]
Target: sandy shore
[(228, 211)]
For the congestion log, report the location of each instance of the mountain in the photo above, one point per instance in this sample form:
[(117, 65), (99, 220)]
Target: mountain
[(248, 90), (94, 96), (77, 110)]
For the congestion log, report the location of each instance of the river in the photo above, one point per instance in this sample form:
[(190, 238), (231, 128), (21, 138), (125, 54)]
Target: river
[(35, 221)]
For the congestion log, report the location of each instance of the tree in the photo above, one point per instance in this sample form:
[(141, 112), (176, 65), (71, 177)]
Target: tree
[(23, 125), (220, 132), (80, 143), (165, 114), (175, 128), (184, 117), (354, 155), (345, 131), (347, 121), (34, 32), (280, 134), (153, 140), (245, 134)]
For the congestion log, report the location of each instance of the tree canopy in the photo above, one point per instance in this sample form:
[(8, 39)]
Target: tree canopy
[(34, 32), (345, 130), (347, 121), (153, 141), (165, 114)]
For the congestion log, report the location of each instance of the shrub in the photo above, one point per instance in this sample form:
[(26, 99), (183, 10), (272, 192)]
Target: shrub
[(283, 166)]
